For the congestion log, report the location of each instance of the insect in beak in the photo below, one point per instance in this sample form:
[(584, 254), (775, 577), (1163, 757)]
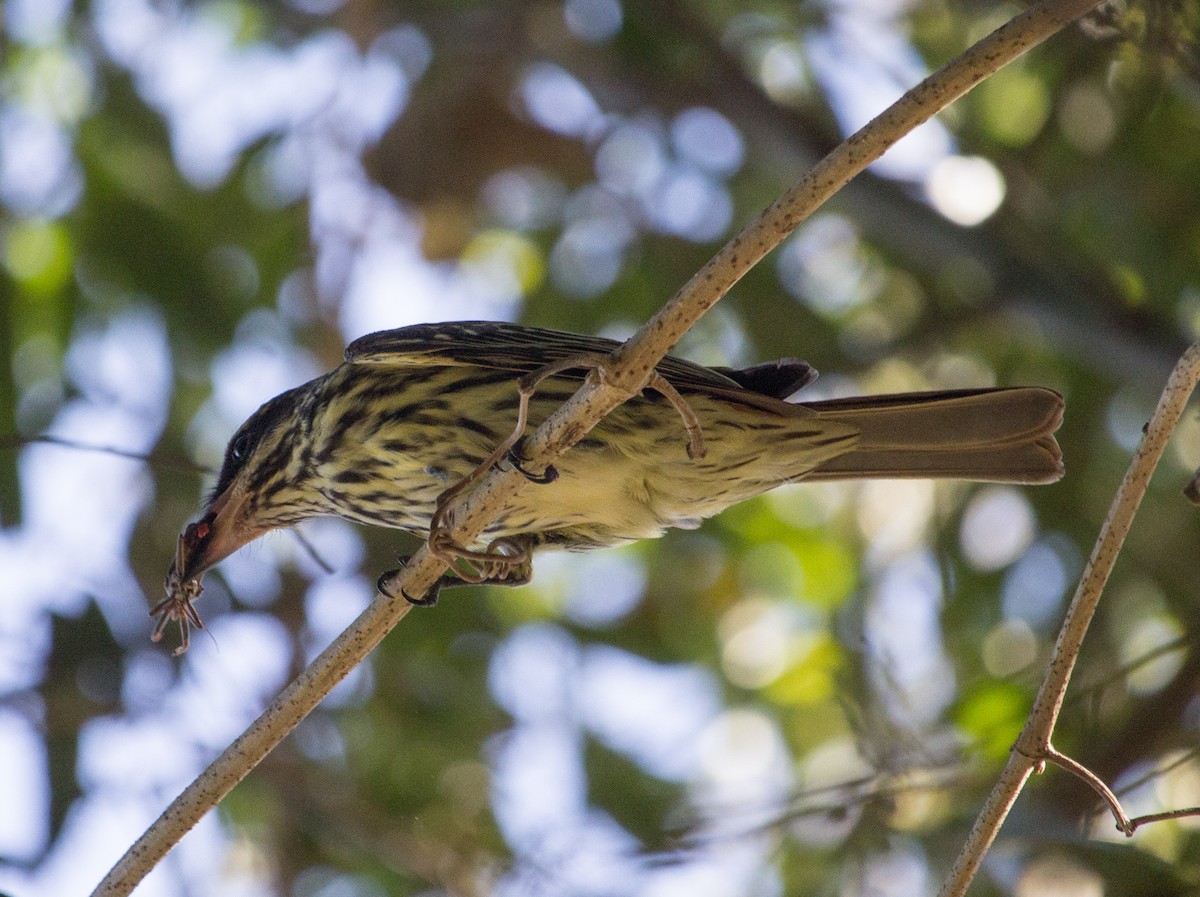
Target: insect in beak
[(177, 606)]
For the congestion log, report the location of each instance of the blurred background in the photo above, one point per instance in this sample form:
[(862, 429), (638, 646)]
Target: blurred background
[(203, 202)]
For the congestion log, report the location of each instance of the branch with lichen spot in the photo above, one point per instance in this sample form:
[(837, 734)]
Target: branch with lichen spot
[(622, 376)]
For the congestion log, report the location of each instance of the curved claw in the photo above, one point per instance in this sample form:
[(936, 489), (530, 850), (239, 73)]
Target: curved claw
[(429, 599), (506, 561), (549, 475)]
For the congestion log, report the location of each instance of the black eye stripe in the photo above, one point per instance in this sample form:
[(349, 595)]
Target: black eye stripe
[(260, 424)]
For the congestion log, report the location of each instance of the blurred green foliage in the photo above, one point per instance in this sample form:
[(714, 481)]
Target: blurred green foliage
[(1084, 279)]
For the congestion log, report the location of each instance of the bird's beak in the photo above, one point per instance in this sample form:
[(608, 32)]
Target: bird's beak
[(225, 527)]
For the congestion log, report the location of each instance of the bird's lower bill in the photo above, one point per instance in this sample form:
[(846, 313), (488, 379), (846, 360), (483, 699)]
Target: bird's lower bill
[(222, 530)]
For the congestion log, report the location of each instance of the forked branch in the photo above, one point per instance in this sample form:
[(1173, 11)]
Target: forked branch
[(1033, 747), (1126, 825)]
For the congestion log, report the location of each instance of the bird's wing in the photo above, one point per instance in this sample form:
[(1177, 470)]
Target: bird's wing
[(513, 347), (777, 379)]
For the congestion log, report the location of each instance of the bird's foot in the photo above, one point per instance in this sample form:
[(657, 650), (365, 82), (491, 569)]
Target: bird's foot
[(505, 562), (514, 459), (384, 585), (526, 387)]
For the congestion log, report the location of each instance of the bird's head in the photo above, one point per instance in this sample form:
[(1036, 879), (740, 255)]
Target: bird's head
[(262, 485)]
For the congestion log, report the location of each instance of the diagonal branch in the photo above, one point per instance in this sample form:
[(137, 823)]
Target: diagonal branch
[(1125, 825), (1033, 746), (624, 375)]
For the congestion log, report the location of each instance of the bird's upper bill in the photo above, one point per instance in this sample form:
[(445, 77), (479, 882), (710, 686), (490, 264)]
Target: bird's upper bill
[(225, 527)]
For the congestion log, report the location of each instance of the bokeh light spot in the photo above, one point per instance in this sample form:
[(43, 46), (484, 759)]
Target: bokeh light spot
[(632, 159), (502, 264), (707, 139), (1009, 647), (992, 714), (1086, 117), (742, 752), (825, 266), (1035, 585), (558, 102), (893, 515), (755, 637), (783, 72), (38, 254), (25, 822), (1014, 105), (997, 526), (965, 189), (595, 21), (1057, 875), (1148, 636)]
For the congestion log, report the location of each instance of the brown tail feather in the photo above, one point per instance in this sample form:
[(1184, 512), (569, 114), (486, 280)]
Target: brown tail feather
[(994, 435)]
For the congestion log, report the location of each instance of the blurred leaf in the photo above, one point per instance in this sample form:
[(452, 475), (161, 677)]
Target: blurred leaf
[(812, 679), (643, 811), (82, 683), (992, 714), (1083, 279)]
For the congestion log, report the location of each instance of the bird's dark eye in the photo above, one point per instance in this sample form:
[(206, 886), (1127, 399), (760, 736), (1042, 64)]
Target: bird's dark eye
[(240, 447)]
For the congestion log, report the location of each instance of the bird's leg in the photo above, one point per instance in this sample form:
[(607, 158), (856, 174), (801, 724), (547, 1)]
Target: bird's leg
[(443, 545), (493, 566), (526, 387), (695, 446)]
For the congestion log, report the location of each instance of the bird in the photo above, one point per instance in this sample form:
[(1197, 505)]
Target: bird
[(413, 411)]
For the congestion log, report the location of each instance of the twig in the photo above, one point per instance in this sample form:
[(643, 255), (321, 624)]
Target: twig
[(1033, 745), (1125, 825), (1094, 688), (1158, 772), (623, 376), (1138, 821), (1093, 781), (832, 800), (154, 459), (311, 550), (1132, 825), (171, 462)]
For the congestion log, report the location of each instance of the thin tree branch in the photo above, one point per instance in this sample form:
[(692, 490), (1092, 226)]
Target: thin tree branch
[(1094, 688), (1033, 746), (625, 375), (154, 459), (1131, 825), (827, 800), (170, 462), (1138, 821), (1097, 784), (311, 550), (1158, 772)]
